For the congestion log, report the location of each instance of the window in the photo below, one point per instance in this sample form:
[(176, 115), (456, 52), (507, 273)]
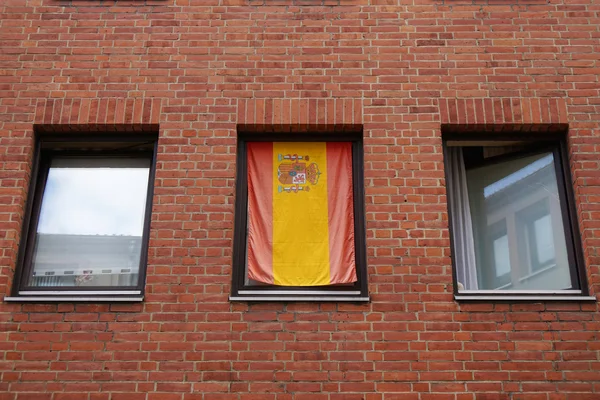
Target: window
[(514, 230), (88, 217), (299, 224)]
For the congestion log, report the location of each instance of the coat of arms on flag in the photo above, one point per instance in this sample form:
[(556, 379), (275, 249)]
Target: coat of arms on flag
[(295, 173)]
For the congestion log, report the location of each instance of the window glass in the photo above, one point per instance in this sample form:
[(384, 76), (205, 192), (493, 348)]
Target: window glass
[(91, 223), (532, 253)]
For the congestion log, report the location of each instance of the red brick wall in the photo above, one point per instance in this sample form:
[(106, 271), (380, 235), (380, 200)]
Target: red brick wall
[(201, 69)]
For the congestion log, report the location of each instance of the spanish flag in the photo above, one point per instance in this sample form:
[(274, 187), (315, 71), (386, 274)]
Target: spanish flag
[(300, 213)]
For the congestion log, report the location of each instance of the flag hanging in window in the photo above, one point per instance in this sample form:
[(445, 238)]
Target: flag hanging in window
[(300, 213)]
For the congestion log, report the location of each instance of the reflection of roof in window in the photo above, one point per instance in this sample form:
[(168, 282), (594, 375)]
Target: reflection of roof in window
[(517, 176)]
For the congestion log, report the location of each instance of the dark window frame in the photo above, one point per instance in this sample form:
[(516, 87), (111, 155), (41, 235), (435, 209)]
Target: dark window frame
[(242, 292), (556, 143), (101, 145)]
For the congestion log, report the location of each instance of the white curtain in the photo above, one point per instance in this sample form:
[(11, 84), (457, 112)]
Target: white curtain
[(462, 227)]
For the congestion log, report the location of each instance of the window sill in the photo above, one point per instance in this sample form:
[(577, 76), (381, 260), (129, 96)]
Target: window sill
[(75, 299), (356, 299), (475, 296)]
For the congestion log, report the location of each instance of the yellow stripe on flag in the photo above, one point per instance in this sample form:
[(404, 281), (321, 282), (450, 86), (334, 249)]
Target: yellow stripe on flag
[(300, 219)]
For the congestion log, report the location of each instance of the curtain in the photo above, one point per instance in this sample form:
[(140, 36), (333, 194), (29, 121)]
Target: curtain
[(462, 227)]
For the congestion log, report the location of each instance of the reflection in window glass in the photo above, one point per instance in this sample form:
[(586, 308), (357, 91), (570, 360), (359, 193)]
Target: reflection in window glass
[(501, 256), (523, 192), (544, 241), (91, 222)]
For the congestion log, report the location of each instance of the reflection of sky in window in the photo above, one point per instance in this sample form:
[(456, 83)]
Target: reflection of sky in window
[(94, 201), (517, 176)]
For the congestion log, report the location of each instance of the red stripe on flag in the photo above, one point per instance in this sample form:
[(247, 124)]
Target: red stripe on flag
[(260, 211), (341, 213)]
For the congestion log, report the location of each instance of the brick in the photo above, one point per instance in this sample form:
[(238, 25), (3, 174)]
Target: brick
[(200, 71)]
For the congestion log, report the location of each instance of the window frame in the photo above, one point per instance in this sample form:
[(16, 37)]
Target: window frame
[(104, 145), (556, 143), (242, 292)]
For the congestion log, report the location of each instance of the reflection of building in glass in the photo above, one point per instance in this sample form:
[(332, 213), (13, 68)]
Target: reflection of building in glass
[(517, 224), (86, 260)]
